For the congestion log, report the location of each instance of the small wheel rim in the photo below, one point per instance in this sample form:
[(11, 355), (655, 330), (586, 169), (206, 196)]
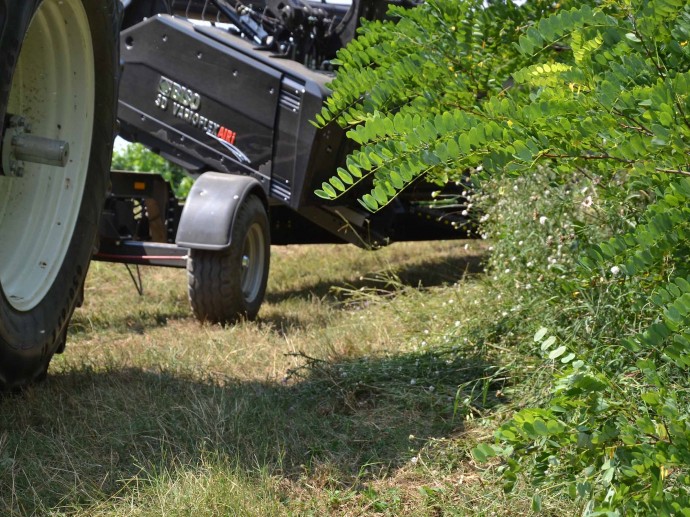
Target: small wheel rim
[(53, 89), (253, 260)]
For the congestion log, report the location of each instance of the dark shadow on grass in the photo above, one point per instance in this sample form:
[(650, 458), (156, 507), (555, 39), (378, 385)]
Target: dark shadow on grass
[(382, 284), (439, 271), (137, 322), (73, 440), (430, 273)]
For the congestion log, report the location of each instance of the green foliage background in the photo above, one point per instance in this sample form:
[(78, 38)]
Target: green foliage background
[(137, 158), (588, 96)]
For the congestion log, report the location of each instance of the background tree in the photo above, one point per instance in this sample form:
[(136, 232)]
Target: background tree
[(137, 158)]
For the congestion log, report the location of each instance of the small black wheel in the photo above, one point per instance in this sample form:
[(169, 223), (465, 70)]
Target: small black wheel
[(58, 63), (228, 285)]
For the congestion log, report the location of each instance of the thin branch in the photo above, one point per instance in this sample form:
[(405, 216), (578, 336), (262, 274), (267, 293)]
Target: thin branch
[(673, 171), (587, 157), (638, 127)]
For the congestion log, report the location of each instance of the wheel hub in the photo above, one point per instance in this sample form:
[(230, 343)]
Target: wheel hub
[(252, 262), (20, 146), (46, 149)]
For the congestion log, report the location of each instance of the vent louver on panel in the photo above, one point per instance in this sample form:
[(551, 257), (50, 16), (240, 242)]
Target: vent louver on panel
[(291, 95), (280, 191)]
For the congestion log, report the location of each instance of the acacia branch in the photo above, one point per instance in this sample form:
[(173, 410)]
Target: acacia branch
[(587, 157), (663, 72), (673, 171), (638, 127)]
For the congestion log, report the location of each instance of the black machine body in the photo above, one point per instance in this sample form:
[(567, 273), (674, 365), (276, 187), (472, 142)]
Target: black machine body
[(229, 92)]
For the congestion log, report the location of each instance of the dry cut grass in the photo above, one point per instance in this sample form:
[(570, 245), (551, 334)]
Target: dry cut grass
[(340, 399)]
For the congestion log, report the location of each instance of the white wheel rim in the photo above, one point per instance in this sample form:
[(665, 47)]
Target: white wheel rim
[(253, 258), (53, 89)]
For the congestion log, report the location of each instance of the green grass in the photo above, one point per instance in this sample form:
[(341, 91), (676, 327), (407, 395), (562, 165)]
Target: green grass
[(358, 391)]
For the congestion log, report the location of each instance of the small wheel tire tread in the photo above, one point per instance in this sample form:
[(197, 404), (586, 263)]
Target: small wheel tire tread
[(214, 277)]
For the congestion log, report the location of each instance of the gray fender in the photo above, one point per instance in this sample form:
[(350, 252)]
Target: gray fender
[(211, 207)]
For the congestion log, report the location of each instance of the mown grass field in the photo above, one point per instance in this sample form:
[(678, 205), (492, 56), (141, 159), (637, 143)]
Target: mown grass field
[(357, 392)]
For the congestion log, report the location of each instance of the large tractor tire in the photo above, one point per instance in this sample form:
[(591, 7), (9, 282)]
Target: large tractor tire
[(225, 286), (58, 94)]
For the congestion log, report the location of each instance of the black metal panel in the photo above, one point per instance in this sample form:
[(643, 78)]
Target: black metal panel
[(287, 135), (302, 93), (183, 82), (197, 97)]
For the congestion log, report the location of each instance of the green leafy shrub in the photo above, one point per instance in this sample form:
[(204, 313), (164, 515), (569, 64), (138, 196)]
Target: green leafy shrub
[(597, 92), (536, 224), (418, 93), (579, 428)]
